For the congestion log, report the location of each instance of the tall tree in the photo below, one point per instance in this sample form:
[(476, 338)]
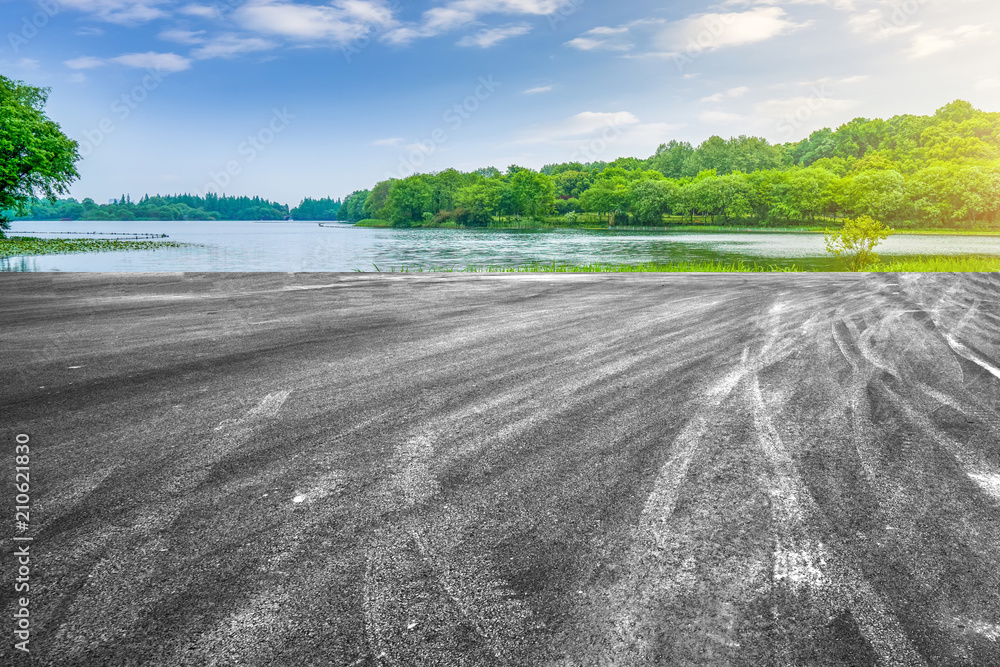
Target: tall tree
[(36, 158)]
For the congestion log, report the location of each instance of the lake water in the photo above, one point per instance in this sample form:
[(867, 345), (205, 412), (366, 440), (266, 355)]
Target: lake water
[(308, 246)]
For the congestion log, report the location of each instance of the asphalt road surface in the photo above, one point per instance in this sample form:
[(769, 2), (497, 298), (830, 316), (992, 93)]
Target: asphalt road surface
[(551, 470)]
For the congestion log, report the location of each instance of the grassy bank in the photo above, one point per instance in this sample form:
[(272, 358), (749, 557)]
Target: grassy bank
[(942, 264), (28, 245), (652, 267)]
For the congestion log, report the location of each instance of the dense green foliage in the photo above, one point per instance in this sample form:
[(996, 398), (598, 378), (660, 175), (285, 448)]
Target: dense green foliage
[(36, 158), (181, 207), (174, 207), (28, 245), (316, 209), (928, 171)]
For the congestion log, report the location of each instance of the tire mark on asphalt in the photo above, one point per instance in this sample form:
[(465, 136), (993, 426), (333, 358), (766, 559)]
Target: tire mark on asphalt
[(802, 560), (94, 600), (268, 408), (482, 596), (477, 595), (972, 463), (963, 351), (629, 630)]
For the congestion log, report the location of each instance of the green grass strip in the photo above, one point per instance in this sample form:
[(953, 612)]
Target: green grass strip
[(934, 264)]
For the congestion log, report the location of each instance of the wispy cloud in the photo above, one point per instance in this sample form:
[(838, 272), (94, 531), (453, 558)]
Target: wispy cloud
[(184, 36), (340, 22), (537, 90), (730, 94), (391, 141), (162, 62), (713, 31), (126, 12), (228, 46), (485, 39), (695, 34), (937, 41), (201, 11), (605, 38), (85, 62), (461, 13)]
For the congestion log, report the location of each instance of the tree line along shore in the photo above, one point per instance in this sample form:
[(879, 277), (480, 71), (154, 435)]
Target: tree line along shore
[(919, 172)]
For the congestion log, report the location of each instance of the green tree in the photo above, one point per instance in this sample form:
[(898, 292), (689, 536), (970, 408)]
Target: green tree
[(651, 198), (671, 159), (485, 196), (36, 158), (875, 193), (533, 194), (855, 243), (407, 201)]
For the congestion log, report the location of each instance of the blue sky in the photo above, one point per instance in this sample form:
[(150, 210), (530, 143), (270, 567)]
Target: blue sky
[(288, 99)]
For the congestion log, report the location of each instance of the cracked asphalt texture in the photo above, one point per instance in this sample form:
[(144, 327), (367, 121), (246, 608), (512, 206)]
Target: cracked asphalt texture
[(232, 469)]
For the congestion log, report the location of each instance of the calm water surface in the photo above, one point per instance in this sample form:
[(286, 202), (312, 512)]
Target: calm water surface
[(307, 246)]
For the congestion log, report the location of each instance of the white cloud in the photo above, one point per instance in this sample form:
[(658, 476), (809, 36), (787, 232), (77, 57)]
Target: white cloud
[(484, 39), (586, 44), (22, 64), (460, 13), (228, 45), (184, 36), (86, 62), (878, 27), (696, 34), (605, 38), (937, 41), (732, 93), (836, 4), (162, 62), (709, 32), (118, 11), (391, 141), (201, 11), (341, 22), (536, 90)]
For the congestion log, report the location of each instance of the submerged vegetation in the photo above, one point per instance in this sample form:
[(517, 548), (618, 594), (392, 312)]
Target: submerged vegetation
[(940, 171), (28, 245)]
